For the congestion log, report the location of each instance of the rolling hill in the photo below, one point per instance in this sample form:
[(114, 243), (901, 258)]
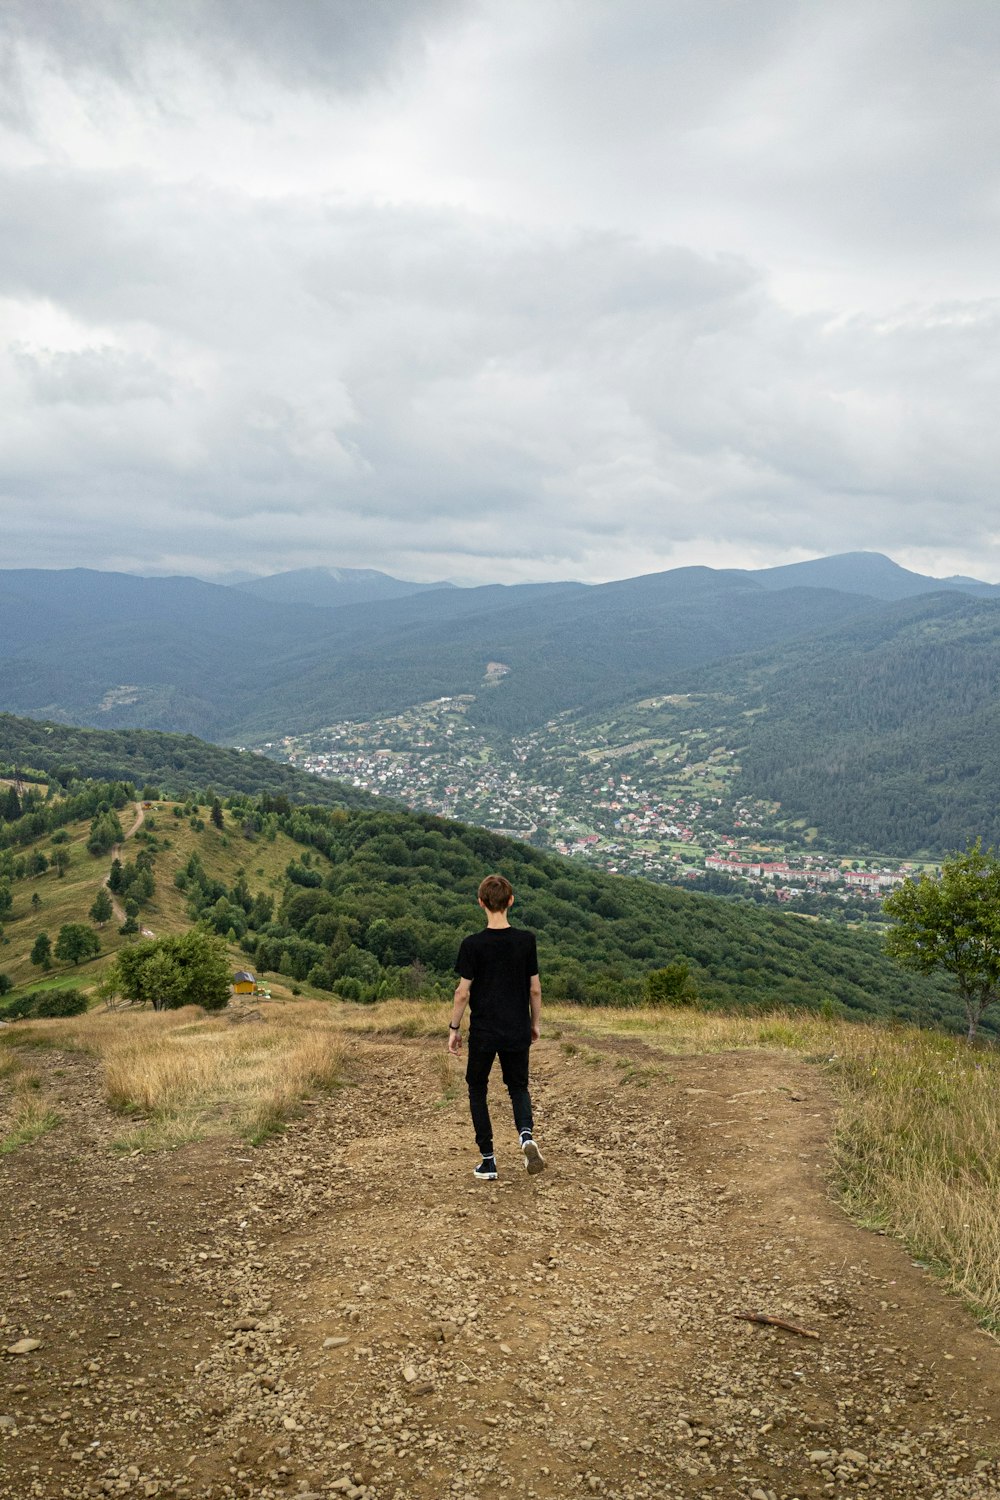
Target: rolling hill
[(370, 901)]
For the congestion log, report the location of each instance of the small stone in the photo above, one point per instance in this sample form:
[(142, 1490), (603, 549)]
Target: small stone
[(24, 1346), (852, 1456), (506, 1349), (821, 1456), (422, 1387), (409, 1373), (246, 1325), (335, 1343), (289, 1424), (7, 1424), (446, 1332)]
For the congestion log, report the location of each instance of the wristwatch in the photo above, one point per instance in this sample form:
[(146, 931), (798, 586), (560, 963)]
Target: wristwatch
[(454, 1028)]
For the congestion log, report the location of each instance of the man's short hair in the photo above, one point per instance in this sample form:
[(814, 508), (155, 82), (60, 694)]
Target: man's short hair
[(496, 893)]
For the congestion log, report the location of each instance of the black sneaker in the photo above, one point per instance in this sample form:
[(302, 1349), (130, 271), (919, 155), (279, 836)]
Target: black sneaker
[(487, 1169), (533, 1158)]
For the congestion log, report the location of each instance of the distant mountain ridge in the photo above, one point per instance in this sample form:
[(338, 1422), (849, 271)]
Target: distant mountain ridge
[(869, 573), (334, 587), (177, 654)]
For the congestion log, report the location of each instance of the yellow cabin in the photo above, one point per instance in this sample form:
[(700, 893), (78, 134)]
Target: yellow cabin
[(244, 983)]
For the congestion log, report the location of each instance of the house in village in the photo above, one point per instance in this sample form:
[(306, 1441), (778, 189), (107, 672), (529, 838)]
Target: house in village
[(244, 983)]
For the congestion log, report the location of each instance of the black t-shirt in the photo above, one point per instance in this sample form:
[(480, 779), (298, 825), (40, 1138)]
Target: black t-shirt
[(500, 961)]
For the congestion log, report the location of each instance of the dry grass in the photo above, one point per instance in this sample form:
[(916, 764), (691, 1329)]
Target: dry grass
[(918, 1149), (31, 1114), (184, 1074), (917, 1141), (917, 1138), (405, 1018)]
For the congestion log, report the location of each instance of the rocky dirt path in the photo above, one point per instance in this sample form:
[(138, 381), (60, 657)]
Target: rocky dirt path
[(345, 1311)]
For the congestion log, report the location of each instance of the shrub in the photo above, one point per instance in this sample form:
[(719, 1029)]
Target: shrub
[(671, 985), (62, 1002)]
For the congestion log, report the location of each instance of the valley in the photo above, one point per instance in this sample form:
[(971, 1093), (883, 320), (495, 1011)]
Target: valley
[(652, 789)]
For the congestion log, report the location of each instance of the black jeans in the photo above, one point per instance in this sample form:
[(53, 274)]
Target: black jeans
[(514, 1067)]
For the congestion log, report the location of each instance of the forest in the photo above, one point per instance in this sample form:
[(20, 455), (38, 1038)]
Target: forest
[(174, 765), (376, 903)]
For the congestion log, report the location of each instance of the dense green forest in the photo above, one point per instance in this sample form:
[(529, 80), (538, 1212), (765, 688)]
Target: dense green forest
[(177, 765), (884, 734), (378, 900), (176, 654)]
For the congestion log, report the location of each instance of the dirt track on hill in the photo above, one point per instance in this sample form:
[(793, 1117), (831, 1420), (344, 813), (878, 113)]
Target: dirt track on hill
[(345, 1311)]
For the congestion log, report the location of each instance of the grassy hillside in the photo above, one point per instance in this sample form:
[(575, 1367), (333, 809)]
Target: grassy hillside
[(172, 840)]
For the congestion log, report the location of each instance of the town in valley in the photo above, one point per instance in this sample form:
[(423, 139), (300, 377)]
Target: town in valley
[(639, 792)]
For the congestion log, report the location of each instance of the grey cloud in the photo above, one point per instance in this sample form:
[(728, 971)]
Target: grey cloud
[(357, 383), (605, 367), (315, 44)]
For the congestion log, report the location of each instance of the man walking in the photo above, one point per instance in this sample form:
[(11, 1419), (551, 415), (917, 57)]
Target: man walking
[(498, 980)]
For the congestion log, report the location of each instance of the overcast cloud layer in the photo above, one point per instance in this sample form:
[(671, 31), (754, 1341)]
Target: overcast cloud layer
[(498, 289)]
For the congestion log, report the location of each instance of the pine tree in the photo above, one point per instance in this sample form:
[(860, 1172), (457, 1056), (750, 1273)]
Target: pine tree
[(41, 953), (102, 908)]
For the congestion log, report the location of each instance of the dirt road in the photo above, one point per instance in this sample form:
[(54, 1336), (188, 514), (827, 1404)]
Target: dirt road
[(345, 1311), (116, 853)]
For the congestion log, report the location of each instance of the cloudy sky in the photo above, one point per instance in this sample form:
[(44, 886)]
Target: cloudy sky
[(498, 289)]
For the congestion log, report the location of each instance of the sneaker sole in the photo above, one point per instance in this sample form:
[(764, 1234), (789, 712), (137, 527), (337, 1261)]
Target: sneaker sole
[(533, 1158), (484, 1176)]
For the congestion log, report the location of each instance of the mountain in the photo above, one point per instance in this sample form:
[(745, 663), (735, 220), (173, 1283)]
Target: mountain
[(333, 587), (868, 573), (177, 654), (883, 731)]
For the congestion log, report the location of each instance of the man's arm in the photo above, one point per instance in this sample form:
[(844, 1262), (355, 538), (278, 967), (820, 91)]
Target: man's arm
[(462, 991), (535, 997)]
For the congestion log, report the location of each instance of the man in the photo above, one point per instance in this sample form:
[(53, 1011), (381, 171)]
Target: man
[(498, 980)]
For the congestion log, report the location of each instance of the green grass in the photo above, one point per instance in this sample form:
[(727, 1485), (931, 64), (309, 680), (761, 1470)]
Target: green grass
[(33, 1116)]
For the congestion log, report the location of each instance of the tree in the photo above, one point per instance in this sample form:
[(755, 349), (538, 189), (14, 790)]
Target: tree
[(105, 832), (76, 941), (61, 861), (953, 924), (41, 953), (102, 909), (172, 971), (672, 985), (216, 813)]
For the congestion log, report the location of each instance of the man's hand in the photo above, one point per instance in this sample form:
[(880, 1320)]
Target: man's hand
[(536, 1031), (454, 1042)]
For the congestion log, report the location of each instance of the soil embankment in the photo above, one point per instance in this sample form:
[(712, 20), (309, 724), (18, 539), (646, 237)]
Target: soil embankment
[(344, 1311)]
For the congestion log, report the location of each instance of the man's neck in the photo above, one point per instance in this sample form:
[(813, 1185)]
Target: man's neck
[(497, 919)]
